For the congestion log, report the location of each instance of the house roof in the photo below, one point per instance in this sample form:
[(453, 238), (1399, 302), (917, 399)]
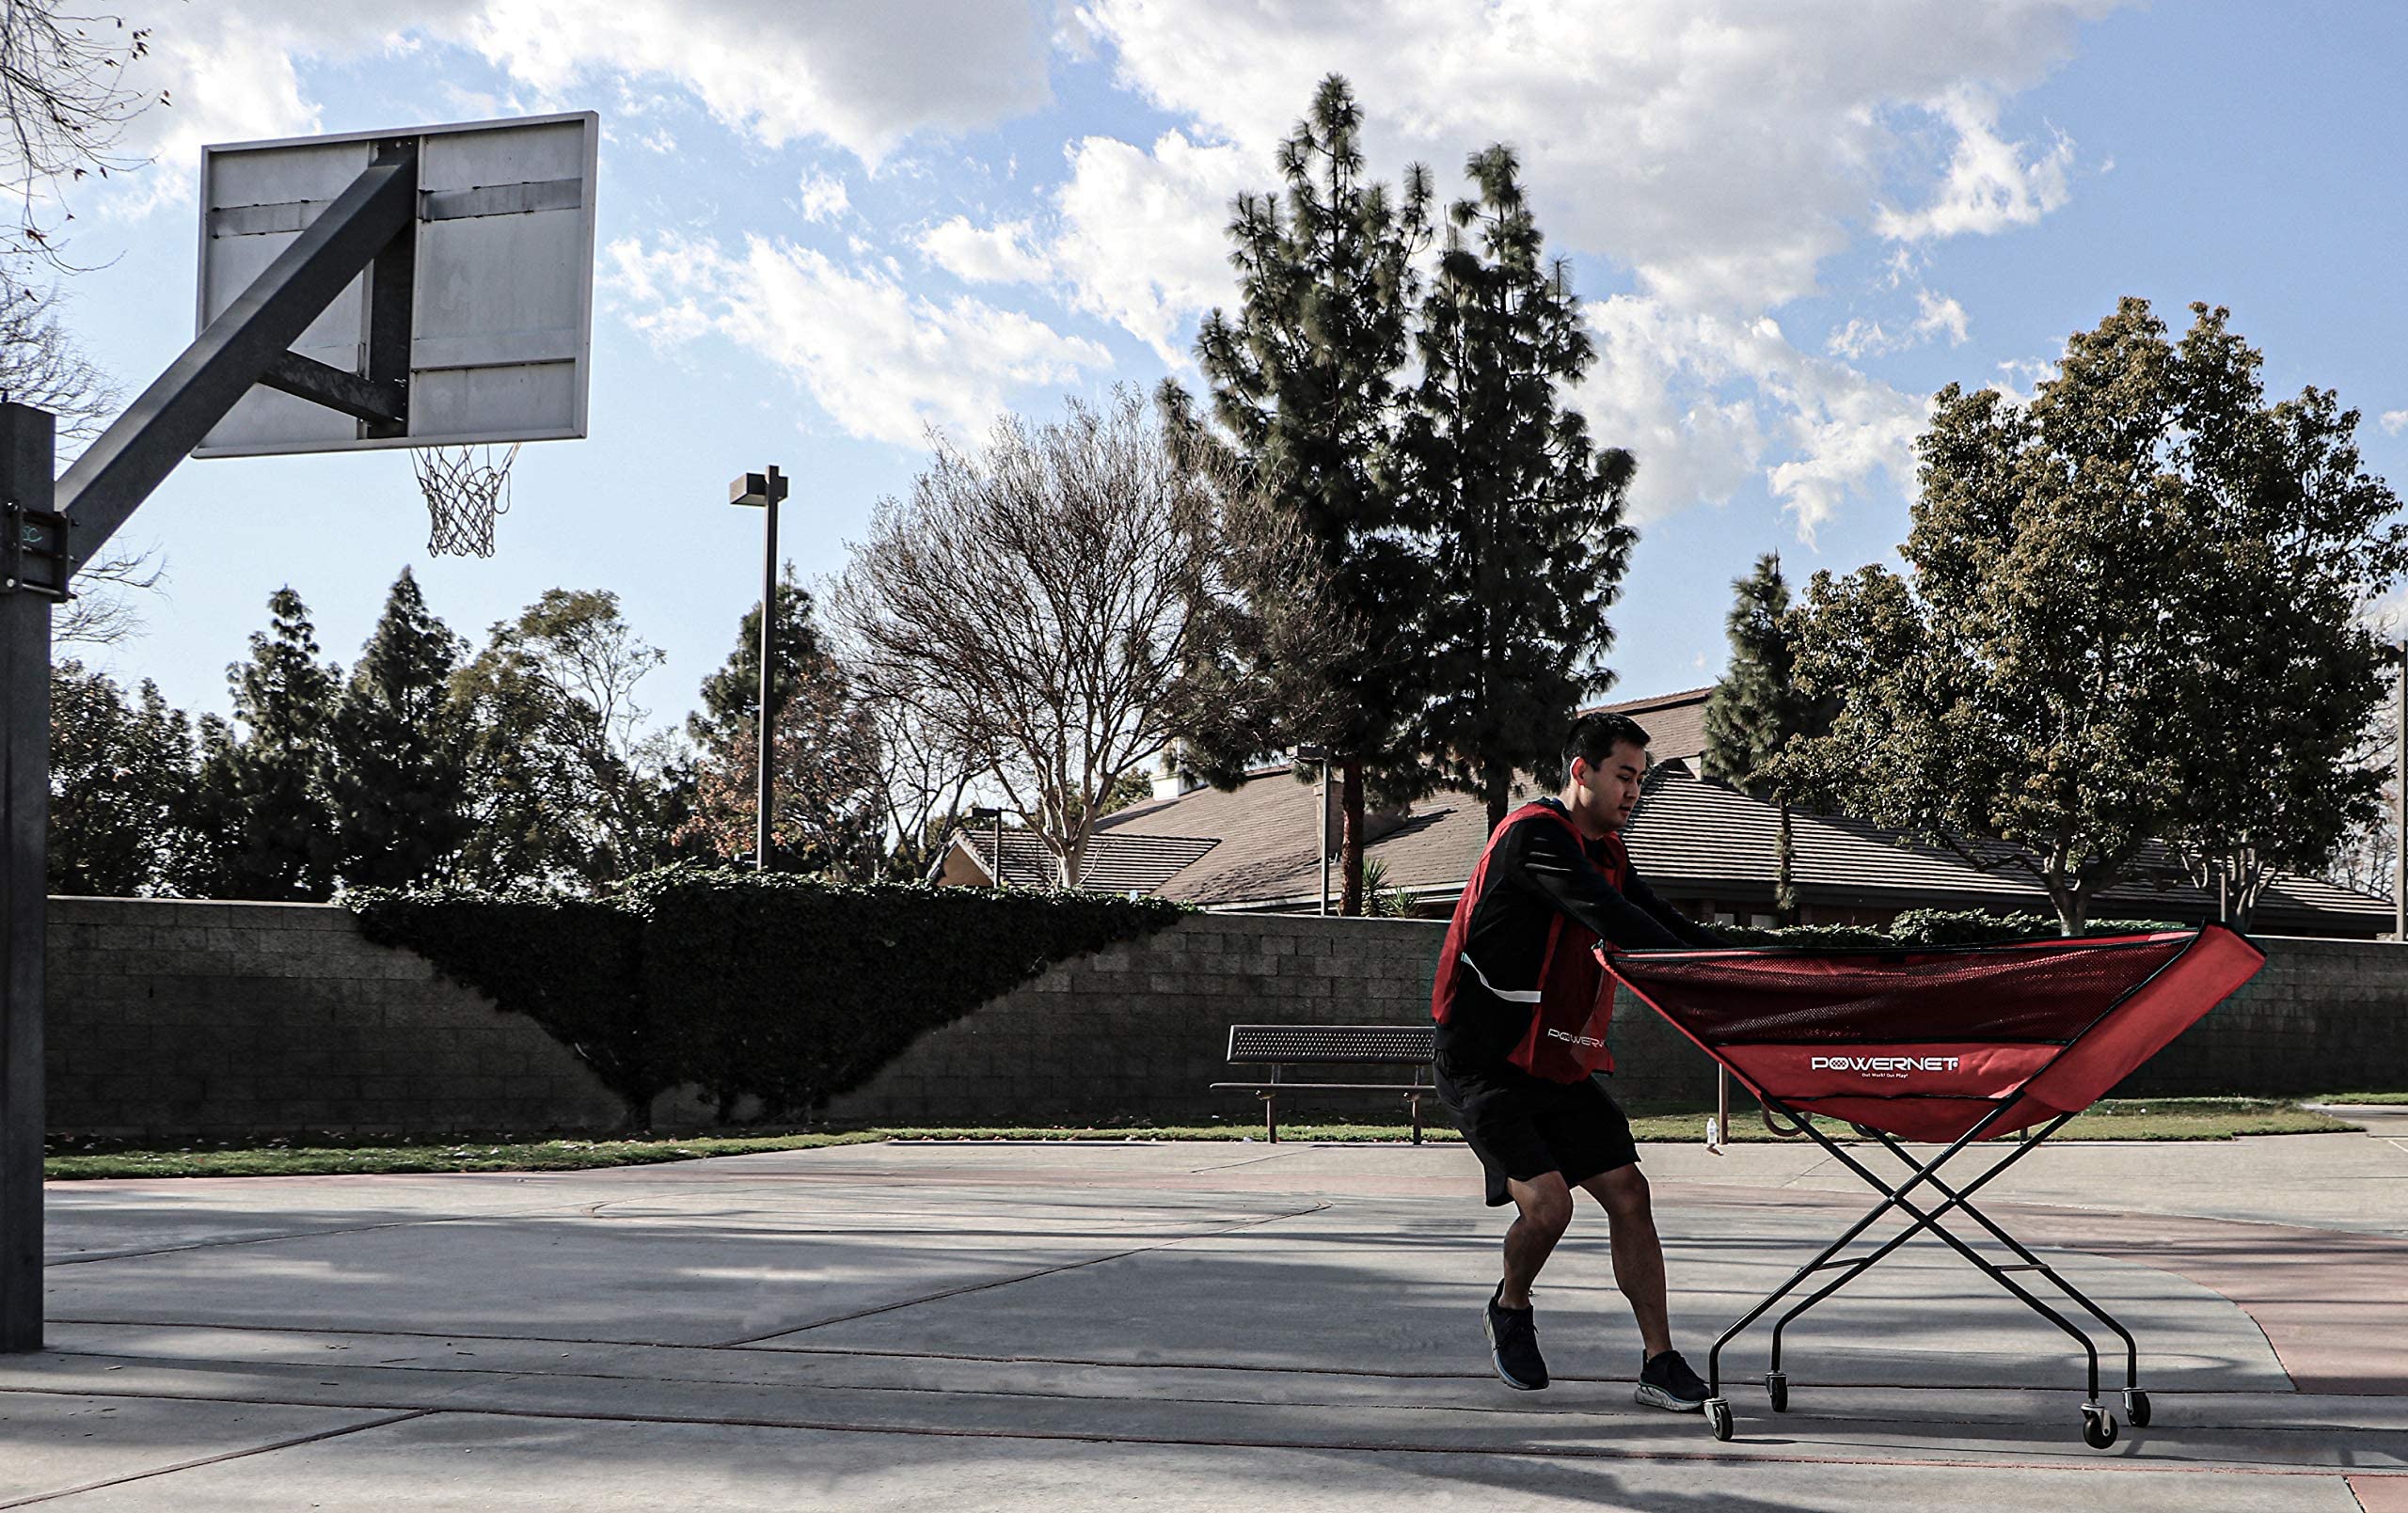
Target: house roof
[(1675, 723), (1257, 846)]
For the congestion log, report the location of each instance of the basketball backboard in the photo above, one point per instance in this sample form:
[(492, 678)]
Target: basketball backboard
[(502, 279)]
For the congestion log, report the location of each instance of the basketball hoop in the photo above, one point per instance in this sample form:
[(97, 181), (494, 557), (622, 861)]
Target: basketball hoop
[(466, 489)]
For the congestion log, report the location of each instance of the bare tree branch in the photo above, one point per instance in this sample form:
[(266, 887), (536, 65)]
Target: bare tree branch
[(1037, 603), (62, 81)]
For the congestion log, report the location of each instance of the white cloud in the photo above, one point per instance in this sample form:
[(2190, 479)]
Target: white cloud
[(1991, 186), (1939, 314), (1721, 151), (1706, 404), (881, 361), (2395, 421), (863, 77), (1859, 338), (994, 255), (1143, 241), (823, 196)]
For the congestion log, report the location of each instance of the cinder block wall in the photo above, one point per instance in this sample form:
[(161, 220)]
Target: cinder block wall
[(171, 1018), (1141, 1030), (2320, 1016)]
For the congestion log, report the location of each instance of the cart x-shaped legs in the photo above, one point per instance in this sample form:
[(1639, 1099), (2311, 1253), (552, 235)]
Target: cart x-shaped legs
[(2097, 1421)]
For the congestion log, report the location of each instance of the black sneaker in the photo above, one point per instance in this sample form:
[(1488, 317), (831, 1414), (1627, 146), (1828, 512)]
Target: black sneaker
[(1514, 1346), (1666, 1382)]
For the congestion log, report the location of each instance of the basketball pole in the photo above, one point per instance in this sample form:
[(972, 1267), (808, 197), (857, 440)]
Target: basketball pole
[(50, 527), (26, 461)]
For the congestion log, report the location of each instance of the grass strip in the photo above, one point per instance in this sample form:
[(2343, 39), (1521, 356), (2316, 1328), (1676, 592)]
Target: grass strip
[(2153, 1119)]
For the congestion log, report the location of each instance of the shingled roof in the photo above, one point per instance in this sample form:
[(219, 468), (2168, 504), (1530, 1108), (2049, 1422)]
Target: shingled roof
[(1257, 847)]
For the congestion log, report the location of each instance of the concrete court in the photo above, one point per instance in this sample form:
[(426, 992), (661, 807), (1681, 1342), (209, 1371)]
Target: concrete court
[(1187, 1326)]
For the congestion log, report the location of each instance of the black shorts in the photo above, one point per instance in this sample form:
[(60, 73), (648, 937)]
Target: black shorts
[(1525, 1127)]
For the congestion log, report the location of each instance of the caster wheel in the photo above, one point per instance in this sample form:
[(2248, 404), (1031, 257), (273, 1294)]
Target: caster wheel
[(1717, 1417), (1777, 1388), (2136, 1407), (2097, 1426)]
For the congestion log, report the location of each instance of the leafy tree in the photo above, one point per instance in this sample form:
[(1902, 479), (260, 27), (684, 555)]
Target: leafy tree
[(1757, 709), (262, 825), (830, 806), (565, 788), (397, 751), (2134, 614), (121, 775), (1303, 378), (1521, 513)]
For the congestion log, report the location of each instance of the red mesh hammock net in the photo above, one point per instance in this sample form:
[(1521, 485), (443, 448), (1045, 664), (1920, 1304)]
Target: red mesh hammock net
[(1924, 1043)]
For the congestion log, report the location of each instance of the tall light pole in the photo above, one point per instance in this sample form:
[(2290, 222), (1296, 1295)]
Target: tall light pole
[(1321, 793), (762, 491)]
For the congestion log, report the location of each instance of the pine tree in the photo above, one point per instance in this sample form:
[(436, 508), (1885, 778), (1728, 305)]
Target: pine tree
[(1756, 709), (1521, 513), (1303, 378), (262, 828), (121, 777), (396, 749)]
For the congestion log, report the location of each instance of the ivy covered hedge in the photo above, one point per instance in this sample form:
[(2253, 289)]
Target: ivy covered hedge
[(780, 988), (1933, 927)]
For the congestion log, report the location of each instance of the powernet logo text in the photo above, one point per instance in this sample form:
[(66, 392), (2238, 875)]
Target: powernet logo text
[(1883, 1065)]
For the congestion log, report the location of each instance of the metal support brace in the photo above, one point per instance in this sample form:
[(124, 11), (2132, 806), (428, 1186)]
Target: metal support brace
[(252, 337)]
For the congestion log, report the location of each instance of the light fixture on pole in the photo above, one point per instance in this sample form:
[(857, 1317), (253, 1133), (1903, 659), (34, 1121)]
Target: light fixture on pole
[(1321, 793), (762, 491), (983, 812)]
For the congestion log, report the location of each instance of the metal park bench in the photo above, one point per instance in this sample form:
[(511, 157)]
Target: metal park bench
[(1280, 1047)]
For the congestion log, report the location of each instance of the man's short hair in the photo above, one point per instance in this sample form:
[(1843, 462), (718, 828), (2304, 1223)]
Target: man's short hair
[(1593, 737)]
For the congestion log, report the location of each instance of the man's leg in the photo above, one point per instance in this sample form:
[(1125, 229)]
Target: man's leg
[(1639, 1254), (1544, 1211)]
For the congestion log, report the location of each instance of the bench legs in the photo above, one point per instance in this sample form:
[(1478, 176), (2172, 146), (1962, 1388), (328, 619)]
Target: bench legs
[(1412, 1102), (1271, 1115)]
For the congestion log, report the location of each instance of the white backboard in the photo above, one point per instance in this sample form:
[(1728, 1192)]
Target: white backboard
[(502, 302)]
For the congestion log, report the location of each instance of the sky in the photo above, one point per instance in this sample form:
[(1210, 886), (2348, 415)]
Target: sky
[(826, 228)]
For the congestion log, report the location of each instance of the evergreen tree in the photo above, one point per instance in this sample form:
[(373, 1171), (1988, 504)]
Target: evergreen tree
[(1521, 515), (1757, 708), (1303, 378), (121, 777), (396, 752), (261, 827), (829, 810)]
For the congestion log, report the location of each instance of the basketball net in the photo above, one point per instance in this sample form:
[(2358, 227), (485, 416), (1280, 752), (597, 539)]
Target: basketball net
[(464, 493)]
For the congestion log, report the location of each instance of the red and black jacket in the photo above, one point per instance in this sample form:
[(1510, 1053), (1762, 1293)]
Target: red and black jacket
[(1518, 981)]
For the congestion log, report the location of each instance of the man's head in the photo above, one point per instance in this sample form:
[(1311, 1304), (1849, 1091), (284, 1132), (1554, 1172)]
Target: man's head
[(1605, 756)]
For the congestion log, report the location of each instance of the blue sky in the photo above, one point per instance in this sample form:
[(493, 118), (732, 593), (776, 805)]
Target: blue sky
[(826, 227)]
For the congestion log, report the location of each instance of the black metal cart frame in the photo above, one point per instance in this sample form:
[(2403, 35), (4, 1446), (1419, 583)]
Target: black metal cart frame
[(2099, 1423)]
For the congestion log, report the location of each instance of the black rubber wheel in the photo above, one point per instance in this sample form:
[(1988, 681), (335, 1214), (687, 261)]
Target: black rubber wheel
[(2136, 1407), (1777, 1388), (2098, 1427), (1717, 1417)]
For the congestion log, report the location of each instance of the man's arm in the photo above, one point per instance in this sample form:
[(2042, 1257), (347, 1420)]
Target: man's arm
[(1545, 860)]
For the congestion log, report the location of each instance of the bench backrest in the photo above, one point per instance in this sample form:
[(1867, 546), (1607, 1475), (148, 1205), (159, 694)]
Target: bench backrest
[(1332, 1042)]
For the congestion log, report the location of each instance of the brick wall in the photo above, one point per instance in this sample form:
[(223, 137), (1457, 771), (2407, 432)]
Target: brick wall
[(169, 1018), (176, 1018)]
